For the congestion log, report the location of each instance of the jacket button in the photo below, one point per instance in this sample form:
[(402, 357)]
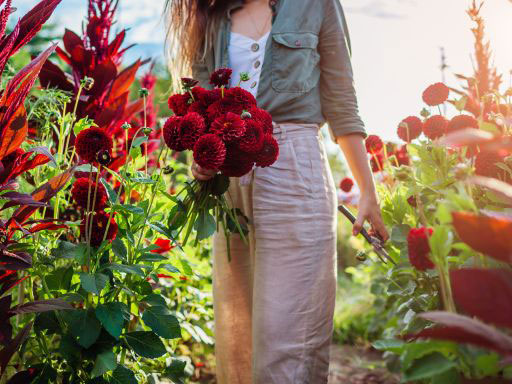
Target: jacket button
[(257, 63), (298, 43), (255, 47), (254, 84)]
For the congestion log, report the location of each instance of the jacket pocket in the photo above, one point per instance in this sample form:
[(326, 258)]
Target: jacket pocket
[(294, 61)]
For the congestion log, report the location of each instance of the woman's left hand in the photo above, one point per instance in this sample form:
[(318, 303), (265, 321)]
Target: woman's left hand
[(369, 210)]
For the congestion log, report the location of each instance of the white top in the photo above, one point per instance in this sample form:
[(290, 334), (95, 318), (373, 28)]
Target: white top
[(246, 55)]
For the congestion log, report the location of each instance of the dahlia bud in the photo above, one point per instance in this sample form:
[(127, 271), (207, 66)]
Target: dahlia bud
[(188, 83), (461, 171), (246, 115), (147, 131), (126, 126), (143, 92), (425, 113), (244, 76), (103, 157), (361, 256), (87, 83), (168, 170)]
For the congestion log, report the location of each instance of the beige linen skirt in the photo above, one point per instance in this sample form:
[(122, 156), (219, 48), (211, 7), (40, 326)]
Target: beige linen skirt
[(274, 302)]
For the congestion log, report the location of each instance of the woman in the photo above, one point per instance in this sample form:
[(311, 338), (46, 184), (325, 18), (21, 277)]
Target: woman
[(274, 301)]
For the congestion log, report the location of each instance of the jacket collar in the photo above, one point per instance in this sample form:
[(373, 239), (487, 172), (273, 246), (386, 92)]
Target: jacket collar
[(239, 4)]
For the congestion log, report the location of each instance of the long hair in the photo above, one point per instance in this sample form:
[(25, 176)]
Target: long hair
[(191, 29)]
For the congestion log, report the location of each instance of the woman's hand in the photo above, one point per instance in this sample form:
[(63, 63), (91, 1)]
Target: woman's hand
[(202, 174), (369, 210)]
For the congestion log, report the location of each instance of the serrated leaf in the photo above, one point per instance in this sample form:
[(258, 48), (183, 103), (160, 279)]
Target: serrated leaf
[(112, 317), (145, 344), (162, 322), (93, 283), (119, 248), (427, 367), (105, 362), (129, 269), (84, 326)]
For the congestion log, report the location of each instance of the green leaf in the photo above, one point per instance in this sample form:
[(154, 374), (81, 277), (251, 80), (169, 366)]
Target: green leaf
[(111, 194), (129, 209), (155, 299), (119, 248), (143, 180), (59, 279), (135, 152), (441, 241), (187, 269), (129, 269), (123, 375), (138, 141), (399, 233), (395, 346), (105, 362), (145, 344), (84, 326), (428, 367), (205, 225), (93, 283), (82, 124), (176, 370), (112, 317), (86, 168), (419, 349), (69, 250), (162, 322), (220, 184), (448, 377)]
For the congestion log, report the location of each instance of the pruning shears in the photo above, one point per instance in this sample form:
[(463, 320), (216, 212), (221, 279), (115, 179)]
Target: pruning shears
[(375, 242)]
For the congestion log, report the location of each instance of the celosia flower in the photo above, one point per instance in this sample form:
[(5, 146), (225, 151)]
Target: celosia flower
[(419, 248), (410, 128), (461, 122), (269, 153), (91, 141), (209, 151), (221, 77), (435, 127), (252, 140), (99, 226), (486, 164), (346, 184), (179, 103), (436, 94), (373, 144), (229, 127), (81, 195)]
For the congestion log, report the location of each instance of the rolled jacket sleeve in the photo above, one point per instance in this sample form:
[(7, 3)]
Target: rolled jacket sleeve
[(338, 96)]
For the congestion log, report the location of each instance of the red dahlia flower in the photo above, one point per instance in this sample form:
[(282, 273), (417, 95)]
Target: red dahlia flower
[(164, 245), (263, 117), (419, 248), (179, 103), (188, 83), (99, 225), (221, 77), (171, 133), (252, 140), (436, 94), (373, 144), (462, 122), (435, 127), (346, 184), (191, 127), (91, 141), (237, 163), (81, 195), (486, 164), (269, 153), (410, 128), (402, 156), (229, 127), (235, 100), (209, 151)]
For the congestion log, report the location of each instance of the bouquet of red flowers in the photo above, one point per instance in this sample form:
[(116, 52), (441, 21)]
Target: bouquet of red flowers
[(227, 132)]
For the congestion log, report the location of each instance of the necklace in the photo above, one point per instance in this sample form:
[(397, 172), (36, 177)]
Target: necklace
[(258, 30)]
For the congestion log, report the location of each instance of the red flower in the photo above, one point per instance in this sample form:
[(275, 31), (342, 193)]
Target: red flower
[(269, 153), (263, 117), (252, 140), (410, 128), (80, 193), (210, 151), (377, 162), (99, 225), (190, 128), (228, 127), (179, 103), (188, 83), (172, 134), (373, 144), (221, 77), (91, 141), (461, 122), (164, 245), (237, 163), (435, 127), (486, 165), (436, 94), (209, 96), (402, 156), (346, 184), (419, 248), (412, 201), (235, 100)]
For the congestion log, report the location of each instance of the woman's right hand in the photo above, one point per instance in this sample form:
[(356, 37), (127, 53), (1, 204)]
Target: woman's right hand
[(201, 173)]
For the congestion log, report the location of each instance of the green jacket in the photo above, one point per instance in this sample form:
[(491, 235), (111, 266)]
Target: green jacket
[(307, 74)]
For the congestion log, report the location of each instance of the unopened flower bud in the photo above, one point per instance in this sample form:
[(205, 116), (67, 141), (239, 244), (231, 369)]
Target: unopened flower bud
[(246, 115), (103, 157), (168, 170), (244, 76), (126, 126), (143, 92), (87, 83), (361, 256), (188, 83), (425, 113), (147, 131)]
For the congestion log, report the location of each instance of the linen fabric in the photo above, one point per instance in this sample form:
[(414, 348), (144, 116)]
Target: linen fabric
[(306, 76), (274, 302)]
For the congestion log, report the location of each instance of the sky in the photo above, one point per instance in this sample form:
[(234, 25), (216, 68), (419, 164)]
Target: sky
[(396, 46)]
